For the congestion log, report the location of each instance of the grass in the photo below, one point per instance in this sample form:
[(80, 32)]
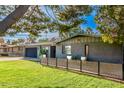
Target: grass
[(20, 74)]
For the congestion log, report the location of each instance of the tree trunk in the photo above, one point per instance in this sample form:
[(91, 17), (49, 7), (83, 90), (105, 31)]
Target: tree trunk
[(13, 18)]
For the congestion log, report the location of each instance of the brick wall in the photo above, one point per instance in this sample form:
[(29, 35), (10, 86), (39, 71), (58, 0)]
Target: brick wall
[(97, 52), (105, 52)]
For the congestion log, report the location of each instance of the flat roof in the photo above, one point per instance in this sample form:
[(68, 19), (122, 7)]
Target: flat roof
[(31, 44), (36, 44)]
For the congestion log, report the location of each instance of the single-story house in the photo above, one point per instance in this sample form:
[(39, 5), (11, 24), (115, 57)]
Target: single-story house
[(91, 47), (33, 50)]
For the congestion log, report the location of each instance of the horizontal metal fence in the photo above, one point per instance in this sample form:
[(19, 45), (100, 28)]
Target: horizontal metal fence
[(91, 67), (52, 62), (62, 63), (44, 61), (74, 64), (111, 70), (100, 68)]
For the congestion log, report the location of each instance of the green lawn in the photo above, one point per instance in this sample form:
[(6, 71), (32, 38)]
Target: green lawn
[(30, 74)]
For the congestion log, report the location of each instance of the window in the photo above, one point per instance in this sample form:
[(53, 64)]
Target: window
[(86, 50), (66, 49)]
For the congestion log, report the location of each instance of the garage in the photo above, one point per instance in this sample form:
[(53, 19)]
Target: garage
[(31, 52)]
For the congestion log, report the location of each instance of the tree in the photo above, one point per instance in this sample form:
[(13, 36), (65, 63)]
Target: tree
[(21, 41), (110, 20), (43, 40), (12, 18), (46, 32), (32, 38), (33, 24), (5, 10), (89, 31), (8, 41), (66, 20), (1, 40), (16, 42)]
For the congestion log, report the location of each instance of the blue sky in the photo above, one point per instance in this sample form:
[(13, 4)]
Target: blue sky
[(90, 23)]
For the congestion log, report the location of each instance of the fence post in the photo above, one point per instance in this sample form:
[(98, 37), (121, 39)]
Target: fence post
[(47, 61), (122, 61), (56, 62), (122, 71), (98, 67), (40, 61), (81, 65), (67, 64)]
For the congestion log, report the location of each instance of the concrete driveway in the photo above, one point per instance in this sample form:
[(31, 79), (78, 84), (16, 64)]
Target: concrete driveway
[(17, 58), (10, 58)]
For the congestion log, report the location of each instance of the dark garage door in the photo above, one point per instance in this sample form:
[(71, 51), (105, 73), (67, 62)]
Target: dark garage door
[(31, 52)]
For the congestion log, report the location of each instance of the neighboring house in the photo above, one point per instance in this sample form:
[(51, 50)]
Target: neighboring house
[(91, 47), (11, 50)]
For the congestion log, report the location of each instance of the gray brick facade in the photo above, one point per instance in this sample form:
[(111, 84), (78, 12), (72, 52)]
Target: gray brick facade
[(98, 51)]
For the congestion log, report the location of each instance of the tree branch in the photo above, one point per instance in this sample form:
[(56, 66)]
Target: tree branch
[(12, 18)]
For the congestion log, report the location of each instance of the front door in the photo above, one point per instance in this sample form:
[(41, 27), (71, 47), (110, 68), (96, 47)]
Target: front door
[(86, 50), (53, 51)]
